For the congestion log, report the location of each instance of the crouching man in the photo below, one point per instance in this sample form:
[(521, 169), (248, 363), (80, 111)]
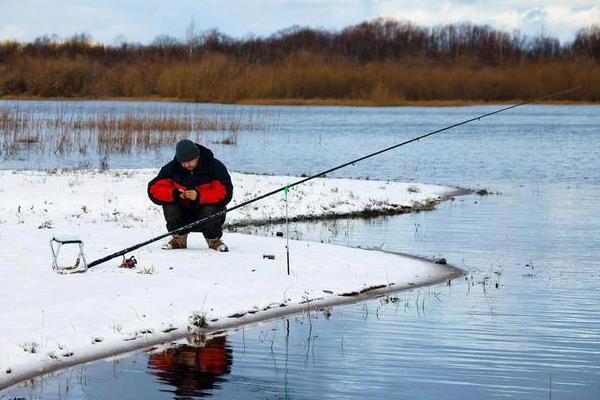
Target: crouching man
[(192, 186)]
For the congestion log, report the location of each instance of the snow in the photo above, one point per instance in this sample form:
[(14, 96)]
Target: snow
[(50, 321)]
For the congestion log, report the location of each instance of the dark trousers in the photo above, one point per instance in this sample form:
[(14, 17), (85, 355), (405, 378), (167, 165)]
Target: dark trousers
[(177, 216)]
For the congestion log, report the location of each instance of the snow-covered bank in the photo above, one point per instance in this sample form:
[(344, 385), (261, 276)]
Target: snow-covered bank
[(49, 320)]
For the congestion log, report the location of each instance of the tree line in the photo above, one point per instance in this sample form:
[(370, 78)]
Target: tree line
[(375, 62)]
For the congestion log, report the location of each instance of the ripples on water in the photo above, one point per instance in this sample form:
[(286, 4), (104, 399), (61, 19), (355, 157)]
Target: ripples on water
[(524, 323)]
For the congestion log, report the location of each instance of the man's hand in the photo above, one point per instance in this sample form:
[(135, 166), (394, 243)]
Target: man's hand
[(188, 194)]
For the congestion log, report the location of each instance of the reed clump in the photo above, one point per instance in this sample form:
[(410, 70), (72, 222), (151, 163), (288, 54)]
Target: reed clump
[(107, 131)]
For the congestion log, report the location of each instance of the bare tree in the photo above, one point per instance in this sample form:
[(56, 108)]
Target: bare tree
[(190, 37)]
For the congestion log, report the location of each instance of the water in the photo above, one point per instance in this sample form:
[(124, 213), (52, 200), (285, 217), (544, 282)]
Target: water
[(524, 323)]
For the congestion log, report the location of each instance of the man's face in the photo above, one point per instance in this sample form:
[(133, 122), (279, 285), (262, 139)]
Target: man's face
[(190, 165)]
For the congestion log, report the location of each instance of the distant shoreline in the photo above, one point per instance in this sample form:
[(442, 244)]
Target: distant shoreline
[(307, 102)]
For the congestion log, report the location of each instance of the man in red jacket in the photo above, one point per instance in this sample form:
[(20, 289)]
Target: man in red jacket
[(192, 186)]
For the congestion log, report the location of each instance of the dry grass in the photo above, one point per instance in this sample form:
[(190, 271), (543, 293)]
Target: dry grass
[(227, 140), (308, 78), (105, 131), (312, 79)]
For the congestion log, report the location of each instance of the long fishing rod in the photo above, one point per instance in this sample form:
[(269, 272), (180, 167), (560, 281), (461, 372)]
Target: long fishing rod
[(205, 220)]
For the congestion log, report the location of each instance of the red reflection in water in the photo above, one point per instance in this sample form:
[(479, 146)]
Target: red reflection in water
[(192, 370)]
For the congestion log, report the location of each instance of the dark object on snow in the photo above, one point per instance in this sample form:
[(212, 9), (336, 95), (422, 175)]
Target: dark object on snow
[(186, 150), (128, 263), (279, 234), (269, 256), (178, 216), (440, 261), (210, 180)]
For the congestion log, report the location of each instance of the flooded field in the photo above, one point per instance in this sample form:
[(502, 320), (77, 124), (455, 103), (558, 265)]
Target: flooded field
[(524, 323)]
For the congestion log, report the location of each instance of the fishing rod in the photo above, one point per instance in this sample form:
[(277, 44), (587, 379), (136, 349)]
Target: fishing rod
[(81, 265)]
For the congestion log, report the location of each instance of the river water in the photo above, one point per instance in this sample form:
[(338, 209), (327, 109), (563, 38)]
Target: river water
[(524, 323)]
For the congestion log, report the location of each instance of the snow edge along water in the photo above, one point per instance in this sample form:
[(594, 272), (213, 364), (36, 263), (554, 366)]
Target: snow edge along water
[(90, 354), (115, 209)]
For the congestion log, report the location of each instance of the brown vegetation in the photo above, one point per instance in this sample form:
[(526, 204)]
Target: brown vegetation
[(60, 132), (379, 62)]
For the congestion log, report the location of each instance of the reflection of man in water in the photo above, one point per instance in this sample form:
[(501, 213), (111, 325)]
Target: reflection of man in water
[(192, 370)]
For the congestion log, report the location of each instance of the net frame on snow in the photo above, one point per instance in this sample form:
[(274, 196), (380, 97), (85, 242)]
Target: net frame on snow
[(80, 264)]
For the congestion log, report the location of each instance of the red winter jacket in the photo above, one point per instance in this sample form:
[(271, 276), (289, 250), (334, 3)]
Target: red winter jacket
[(210, 180)]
